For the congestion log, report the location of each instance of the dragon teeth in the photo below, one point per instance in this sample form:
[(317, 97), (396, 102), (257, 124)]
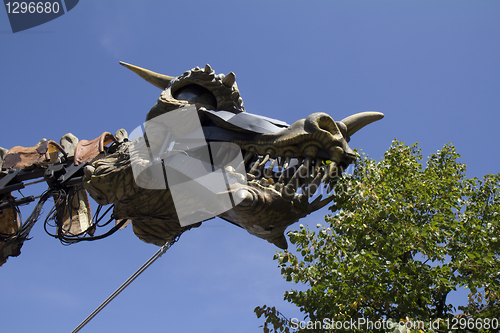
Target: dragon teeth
[(255, 166), (268, 172), (280, 164), (287, 162), (266, 181), (264, 161), (309, 173)]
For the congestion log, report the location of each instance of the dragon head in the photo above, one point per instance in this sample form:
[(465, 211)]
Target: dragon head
[(289, 169)]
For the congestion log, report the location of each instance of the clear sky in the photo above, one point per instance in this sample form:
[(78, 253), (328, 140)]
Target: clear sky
[(432, 67)]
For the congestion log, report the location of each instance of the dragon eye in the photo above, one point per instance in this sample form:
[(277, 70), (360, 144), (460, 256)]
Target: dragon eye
[(196, 94)]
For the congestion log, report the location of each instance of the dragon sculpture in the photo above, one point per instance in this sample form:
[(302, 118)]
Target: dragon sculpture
[(283, 166)]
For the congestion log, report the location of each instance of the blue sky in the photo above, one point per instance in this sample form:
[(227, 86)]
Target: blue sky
[(432, 67)]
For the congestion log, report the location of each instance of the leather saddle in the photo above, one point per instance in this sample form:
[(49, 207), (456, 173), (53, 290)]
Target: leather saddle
[(88, 151), (25, 158)]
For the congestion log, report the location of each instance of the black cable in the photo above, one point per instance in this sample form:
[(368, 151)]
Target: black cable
[(63, 203), (23, 232), (105, 213), (65, 207)]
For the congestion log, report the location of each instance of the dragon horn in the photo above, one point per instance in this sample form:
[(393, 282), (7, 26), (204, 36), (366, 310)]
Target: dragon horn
[(159, 80), (359, 120)]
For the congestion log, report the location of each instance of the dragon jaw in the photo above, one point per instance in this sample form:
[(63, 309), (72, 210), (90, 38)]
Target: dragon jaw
[(284, 168)]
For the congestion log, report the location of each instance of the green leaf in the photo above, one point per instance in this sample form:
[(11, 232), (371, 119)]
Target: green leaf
[(404, 234)]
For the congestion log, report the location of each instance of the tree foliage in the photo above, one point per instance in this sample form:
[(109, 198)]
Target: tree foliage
[(403, 237)]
